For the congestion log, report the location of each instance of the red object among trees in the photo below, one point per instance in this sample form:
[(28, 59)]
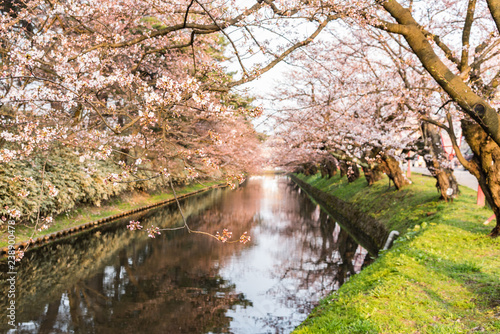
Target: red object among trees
[(480, 196)]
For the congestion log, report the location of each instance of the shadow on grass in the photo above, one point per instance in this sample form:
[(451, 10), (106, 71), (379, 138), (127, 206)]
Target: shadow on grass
[(484, 286)]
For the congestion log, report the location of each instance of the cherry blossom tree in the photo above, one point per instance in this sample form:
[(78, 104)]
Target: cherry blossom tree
[(102, 75), (138, 79), (372, 81), (131, 82), (437, 33), (350, 109), (457, 44)]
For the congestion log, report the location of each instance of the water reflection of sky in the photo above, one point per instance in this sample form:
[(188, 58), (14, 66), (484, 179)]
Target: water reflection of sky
[(179, 283), (265, 273)]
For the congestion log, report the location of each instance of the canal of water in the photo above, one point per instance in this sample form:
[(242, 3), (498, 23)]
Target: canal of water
[(112, 280)]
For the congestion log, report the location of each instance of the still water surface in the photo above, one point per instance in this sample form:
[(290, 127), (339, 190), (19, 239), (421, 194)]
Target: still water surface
[(113, 280)]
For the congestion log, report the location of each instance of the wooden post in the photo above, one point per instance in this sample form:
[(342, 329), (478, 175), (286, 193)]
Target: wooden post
[(480, 196)]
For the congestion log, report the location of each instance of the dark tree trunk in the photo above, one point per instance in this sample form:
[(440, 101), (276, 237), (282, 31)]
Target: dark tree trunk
[(391, 168), (327, 228), (352, 172), (310, 168), (447, 184), (74, 299), (347, 249), (437, 162), (328, 167), (372, 175), (350, 169), (343, 168), (324, 171), (331, 166), (485, 166), (299, 170)]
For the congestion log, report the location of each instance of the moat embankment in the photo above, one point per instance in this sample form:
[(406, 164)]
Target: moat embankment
[(441, 276)]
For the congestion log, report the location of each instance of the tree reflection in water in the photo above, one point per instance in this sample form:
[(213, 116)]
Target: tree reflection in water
[(300, 255), (118, 281)]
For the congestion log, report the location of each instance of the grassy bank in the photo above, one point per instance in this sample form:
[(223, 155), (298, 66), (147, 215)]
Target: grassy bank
[(87, 213), (442, 275)]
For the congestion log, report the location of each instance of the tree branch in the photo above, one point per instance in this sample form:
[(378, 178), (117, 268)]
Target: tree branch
[(451, 133), (494, 6), (469, 18), (284, 54), (199, 28)]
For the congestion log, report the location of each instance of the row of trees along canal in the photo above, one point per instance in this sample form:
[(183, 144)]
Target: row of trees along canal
[(142, 83)]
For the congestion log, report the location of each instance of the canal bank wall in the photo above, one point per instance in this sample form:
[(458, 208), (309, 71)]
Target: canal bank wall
[(441, 275)]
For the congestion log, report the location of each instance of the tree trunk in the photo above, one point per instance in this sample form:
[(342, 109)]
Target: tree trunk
[(437, 162), (75, 312), (310, 168), (331, 166), (328, 167), (393, 171), (299, 170), (471, 103), (352, 172), (372, 175), (49, 320), (347, 249), (343, 168), (327, 229), (324, 171), (485, 166)]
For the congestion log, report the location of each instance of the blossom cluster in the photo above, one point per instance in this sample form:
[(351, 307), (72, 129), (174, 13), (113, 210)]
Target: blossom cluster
[(153, 231), (234, 180), (13, 212), (19, 254), (134, 225), (225, 235), (244, 238), (46, 223)]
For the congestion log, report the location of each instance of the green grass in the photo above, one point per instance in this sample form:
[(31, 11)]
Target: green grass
[(87, 213), (441, 276)]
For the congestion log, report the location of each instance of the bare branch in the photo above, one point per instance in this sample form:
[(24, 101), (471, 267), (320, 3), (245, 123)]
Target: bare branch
[(227, 36), (199, 28), (285, 53)]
